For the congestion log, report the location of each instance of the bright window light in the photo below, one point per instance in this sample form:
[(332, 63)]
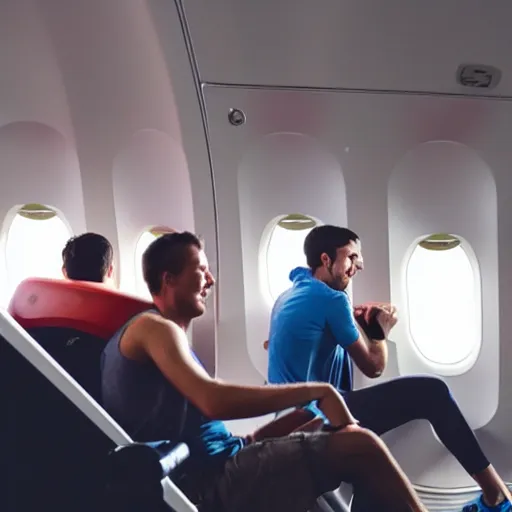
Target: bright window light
[(141, 288), (285, 252), (34, 249), (443, 304)]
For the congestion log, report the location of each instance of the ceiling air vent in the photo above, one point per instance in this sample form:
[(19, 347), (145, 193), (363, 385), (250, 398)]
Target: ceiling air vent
[(475, 75)]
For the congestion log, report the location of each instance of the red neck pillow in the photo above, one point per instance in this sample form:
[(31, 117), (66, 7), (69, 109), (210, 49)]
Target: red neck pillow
[(88, 307)]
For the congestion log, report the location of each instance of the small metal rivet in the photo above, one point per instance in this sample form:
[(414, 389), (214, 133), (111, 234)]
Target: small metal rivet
[(236, 117)]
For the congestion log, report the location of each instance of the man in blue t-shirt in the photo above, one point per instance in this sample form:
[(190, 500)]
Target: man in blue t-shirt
[(156, 388), (314, 337)]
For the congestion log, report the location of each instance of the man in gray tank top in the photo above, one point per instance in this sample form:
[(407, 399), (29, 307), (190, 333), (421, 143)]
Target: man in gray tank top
[(156, 388)]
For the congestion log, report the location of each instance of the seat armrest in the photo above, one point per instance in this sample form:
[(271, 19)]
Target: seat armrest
[(135, 472), (171, 455), (154, 460)]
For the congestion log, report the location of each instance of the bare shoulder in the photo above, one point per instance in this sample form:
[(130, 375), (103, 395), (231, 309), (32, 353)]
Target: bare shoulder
[(147, 330), (152, 320)]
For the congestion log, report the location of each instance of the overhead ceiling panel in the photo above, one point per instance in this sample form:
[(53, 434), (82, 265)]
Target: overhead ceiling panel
[(365, 44)]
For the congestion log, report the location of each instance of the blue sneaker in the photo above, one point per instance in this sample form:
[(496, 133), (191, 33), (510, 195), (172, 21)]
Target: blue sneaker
[(478, 505)]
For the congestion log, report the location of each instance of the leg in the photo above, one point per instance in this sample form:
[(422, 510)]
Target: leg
[(291, 472), (386, 406), (376, 471)]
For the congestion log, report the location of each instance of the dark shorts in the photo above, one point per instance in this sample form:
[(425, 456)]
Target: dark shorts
[(281, 474)]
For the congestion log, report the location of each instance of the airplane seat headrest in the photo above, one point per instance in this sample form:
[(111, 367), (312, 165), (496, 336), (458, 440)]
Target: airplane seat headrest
[(72, 321)]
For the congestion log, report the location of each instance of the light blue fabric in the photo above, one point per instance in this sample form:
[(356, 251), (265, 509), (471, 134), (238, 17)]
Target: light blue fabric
[(478, 505), (311, 326)]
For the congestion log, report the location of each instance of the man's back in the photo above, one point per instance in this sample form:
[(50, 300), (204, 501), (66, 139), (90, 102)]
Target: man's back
[(150, 408), (302, 346)]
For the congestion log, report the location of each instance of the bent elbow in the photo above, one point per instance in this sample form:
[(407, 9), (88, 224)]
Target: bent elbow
[(209, 409), (210, 413), (375, 370), (211, 405)]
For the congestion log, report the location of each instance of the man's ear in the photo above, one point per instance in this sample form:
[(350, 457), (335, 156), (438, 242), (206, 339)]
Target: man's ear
[(64, 273), (168, 278), (324, 258), (110, 272)]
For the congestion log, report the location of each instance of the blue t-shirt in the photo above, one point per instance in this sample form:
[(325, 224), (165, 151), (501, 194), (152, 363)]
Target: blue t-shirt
[(311, 326)]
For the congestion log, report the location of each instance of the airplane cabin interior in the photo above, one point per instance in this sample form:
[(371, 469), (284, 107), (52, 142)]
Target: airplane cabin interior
[(249, 123)]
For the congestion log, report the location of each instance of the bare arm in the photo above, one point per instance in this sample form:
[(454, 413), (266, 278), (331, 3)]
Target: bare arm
[(166, 344), (369, 356), (296, 420)]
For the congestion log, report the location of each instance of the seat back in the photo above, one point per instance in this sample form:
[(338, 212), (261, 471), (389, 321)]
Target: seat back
[(56, 438), (52, 452), (73, 321)]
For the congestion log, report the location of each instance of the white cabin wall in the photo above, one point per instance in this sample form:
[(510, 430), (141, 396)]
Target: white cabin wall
[(367, 136), (120, 79), (274, 179), (443, 186), (169, 31), (262, 171), (106, 55), (32, 87), (371, 84), (38, 160), (152, 162), (90, 126)]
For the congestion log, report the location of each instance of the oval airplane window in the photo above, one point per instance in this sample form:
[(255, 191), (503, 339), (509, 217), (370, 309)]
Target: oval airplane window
[(142, 244), (35, 240), (443, 300), (285, 251)]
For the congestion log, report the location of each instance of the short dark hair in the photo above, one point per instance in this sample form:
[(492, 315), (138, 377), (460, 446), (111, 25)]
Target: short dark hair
[(166, 254), (326, 239), (87, 257)]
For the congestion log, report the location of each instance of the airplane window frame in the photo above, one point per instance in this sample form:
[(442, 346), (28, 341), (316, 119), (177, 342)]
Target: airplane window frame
[(22, 211), (140, 287), (265, 244), (463, 363)]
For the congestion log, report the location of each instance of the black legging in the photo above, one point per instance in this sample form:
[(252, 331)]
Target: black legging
[(383, 407)]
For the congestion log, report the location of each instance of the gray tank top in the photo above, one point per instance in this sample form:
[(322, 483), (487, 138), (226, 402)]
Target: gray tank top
[(149, 408)]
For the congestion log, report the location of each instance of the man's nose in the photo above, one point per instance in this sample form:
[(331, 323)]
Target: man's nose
[(355, 269)]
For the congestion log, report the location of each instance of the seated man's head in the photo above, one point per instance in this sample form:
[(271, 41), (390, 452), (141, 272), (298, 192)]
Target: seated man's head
[(88, 257), (334, 255), (176, 271)]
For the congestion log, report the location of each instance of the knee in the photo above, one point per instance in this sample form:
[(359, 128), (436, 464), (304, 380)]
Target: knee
[(363, 440), (354, 453), (436, 388), (372, 441)]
